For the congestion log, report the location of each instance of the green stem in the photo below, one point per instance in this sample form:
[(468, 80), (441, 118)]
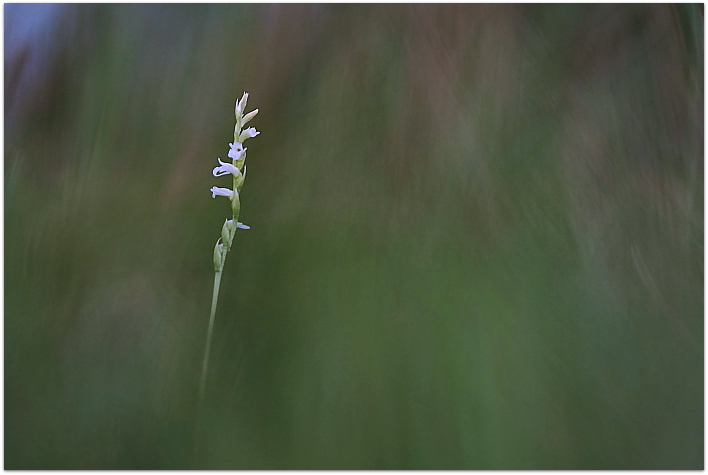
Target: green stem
[(205, 364)]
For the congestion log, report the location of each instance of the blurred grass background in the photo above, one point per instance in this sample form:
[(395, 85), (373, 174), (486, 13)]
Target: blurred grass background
[(477, 237)]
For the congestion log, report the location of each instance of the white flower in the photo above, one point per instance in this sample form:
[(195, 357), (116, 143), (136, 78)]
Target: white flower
[(221, 192), (225, 169), (242, 226), (236, 151), (248, 133)]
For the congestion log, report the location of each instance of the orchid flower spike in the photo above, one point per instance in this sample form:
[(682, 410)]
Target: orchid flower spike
[(237, 170)]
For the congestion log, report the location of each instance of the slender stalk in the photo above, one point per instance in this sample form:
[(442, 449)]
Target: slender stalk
[(205, 364)]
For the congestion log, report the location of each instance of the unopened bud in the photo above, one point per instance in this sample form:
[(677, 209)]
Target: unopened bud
[(241, 105), (248, 117), (219, 256), (235, 204), (227, 232), (239, 179)]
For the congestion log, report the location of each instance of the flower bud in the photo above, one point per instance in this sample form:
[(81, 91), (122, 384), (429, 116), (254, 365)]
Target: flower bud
[(239, 179), (235, 204), (241, 105), (219, 256), (248, 117), (227, 232)]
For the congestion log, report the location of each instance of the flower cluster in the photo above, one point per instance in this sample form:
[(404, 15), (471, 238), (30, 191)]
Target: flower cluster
[(237, 169)]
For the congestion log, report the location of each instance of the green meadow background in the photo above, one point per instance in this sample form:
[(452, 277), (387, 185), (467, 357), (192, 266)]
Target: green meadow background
[(476, 237)]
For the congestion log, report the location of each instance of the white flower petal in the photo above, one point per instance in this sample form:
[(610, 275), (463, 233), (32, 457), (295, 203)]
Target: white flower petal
[(226, 169), (248, 133), (242, 226), (216, 191), (236, 150)]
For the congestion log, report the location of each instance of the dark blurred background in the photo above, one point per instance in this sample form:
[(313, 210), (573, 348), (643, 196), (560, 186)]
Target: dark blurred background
[(477, 237)]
